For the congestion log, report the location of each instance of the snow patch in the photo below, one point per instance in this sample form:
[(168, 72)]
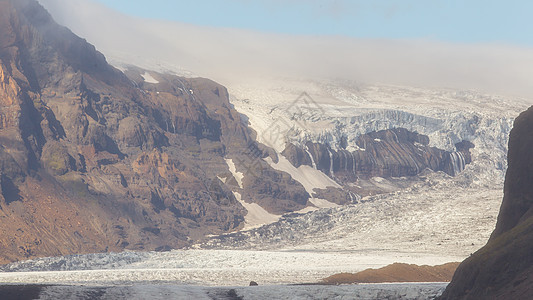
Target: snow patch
[(256, 216), (148, 78), (307, 176), (378, 179), (238, 175), (310, 178), (322, 203)]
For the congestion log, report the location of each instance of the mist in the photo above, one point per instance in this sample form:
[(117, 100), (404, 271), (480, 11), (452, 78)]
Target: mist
[(230, 55)]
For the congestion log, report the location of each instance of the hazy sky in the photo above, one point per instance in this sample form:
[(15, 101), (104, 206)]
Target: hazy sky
[(470, 21), (469, 44)]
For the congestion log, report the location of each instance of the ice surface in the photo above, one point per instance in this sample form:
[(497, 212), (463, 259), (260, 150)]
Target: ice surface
[(212, 274), (205, 267)]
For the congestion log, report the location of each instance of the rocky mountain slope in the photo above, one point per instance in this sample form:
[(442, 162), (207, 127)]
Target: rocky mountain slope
[(93, 159), (503, 268)]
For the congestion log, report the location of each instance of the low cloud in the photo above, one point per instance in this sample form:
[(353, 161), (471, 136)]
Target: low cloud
[(229, 55)]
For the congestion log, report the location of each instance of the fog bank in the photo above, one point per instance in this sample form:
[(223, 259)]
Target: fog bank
[(230, 55)]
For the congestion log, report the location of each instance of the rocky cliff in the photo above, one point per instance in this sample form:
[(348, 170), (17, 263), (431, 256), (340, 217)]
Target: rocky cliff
[(93, 159), (503, 269)]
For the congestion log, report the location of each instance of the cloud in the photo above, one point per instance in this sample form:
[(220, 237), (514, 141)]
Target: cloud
[(229, 55)]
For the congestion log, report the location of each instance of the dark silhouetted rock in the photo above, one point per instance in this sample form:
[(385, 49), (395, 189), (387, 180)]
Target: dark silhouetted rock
[(165, 248)]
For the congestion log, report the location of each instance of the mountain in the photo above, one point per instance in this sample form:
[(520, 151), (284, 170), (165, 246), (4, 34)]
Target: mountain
[(503, 268), (93, 159), (96, 159)]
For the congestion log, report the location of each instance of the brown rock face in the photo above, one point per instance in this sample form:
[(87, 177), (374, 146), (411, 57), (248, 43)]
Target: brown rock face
[(503, 269), (93, 160)]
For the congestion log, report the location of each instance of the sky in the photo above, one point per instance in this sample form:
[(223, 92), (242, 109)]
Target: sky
[(466, 21), (470, 44)]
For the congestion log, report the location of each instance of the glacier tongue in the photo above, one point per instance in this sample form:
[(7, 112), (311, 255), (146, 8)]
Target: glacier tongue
[(437, 216)]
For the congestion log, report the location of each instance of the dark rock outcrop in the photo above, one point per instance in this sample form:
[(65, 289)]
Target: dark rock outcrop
[(503, 269), (270, 187), (93, 159), (397, 272), (387, 153)]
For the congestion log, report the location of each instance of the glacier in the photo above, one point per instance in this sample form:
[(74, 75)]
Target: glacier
[(436, 216)]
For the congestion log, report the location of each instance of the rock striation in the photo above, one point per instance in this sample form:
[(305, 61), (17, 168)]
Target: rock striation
[(387, 153)]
